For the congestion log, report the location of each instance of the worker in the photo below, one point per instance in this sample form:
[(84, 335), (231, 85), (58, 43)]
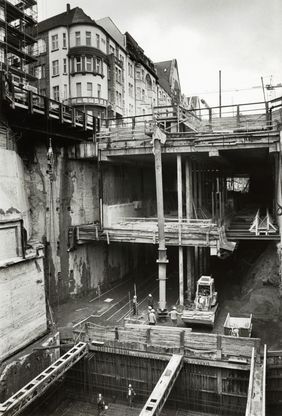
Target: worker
[(149, 310), (134, 305), (100, 403), (173, 316), (150, 300), (130, 395), (152, 317)]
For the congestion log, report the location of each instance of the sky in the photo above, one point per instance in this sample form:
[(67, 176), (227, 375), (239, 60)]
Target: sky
[(242, 38)]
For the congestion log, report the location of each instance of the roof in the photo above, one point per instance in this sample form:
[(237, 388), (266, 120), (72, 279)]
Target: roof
[(113, 30), (163, 72), (67, 18)]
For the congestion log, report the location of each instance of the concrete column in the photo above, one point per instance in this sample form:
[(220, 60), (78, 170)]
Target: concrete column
[(189, 188), (162, 260), (180, 218), (200, 189), (279, 204), (195, 188)]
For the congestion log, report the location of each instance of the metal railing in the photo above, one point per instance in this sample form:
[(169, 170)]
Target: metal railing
[(87, 100), (177, 120), (36, 103)]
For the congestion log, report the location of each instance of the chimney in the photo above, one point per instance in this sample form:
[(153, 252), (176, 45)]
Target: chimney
[(68, 8)]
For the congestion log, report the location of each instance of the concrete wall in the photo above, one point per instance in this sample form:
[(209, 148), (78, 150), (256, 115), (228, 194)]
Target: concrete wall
[(13, 193), (22, 305)]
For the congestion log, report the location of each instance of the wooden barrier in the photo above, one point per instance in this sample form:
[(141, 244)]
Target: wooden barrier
[(166, 338)]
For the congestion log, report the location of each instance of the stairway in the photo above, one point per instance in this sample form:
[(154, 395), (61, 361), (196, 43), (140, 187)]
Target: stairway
[(239, 227)]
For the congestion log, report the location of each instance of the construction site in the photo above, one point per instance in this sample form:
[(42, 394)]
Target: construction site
[(140, 255)]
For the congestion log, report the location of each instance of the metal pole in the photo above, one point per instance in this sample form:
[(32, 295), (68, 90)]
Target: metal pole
[(162, 260), (180, 218), (219, 93)]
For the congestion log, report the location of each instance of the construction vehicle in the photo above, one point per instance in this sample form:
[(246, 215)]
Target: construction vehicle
[(204, 308), (238, 326)]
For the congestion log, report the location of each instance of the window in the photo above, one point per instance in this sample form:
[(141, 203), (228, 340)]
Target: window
[(78, 89), (143, 95), (98, 65), (65, 91), (88, 64), (99, 90), (78, 64), (89, 89), (65, 66), (130, 108), (138, 75), (142, 75), (64, 40), (77, 38), (112, 49), (88, 38), (130, 90), (2, 14), (41, 46), (98, 41), (55, 42), (130, 69), (138, 93), (43, 71), (56, 93), (38, 72), (118, 75), (55, 67), (42, 91)]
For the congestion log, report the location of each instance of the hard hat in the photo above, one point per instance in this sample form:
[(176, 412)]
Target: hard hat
[(150, 294), (129, 385), (135, 296), (174, 307), (153, 310), (149, 307)]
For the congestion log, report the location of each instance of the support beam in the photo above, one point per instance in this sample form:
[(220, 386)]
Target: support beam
[(190, 274), (159, 395), (189, 214), (162, 260), (180, 218)]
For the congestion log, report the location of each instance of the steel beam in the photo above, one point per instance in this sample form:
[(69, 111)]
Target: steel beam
[(159, 395)]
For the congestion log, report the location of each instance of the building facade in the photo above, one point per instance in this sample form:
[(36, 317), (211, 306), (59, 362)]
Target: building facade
[(93, 66)]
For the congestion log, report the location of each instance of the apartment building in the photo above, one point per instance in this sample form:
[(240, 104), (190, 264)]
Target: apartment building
[(94, 66), (80, 64)]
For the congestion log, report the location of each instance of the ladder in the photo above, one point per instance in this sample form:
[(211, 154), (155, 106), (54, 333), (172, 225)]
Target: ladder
[(36, 387)]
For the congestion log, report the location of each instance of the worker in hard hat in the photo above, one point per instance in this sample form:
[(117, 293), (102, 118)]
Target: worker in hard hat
[(174, 315), (152, 317), (134, 305), (150, 301), (130, 395), (100, 403)]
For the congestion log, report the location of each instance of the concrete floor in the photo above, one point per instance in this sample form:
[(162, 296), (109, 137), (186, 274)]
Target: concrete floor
[(113, 306)]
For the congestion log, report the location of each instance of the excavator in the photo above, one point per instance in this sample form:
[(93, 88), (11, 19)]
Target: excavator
[(205, 306)]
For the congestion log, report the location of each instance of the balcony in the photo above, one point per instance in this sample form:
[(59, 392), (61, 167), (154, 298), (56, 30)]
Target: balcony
[(101, 102)]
